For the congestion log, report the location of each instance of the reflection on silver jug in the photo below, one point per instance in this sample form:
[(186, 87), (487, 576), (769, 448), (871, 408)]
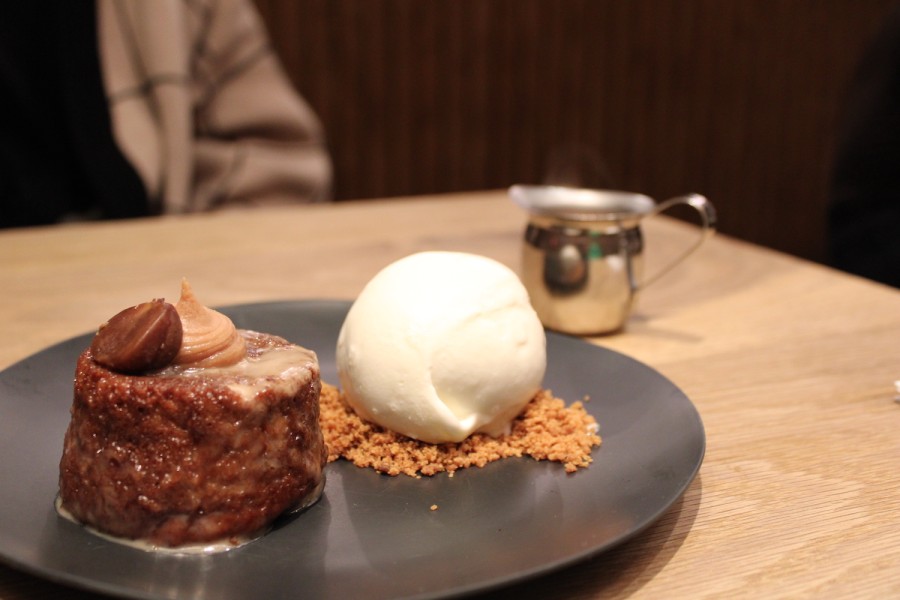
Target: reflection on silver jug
[(582, 256)]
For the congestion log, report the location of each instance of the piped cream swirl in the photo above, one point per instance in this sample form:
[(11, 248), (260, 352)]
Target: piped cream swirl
[(210, 338)]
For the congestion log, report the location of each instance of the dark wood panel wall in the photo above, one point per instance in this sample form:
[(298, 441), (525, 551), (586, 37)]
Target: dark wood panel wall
[(735, 99)]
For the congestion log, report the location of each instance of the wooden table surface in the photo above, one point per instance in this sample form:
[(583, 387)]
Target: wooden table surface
[(791, 366)]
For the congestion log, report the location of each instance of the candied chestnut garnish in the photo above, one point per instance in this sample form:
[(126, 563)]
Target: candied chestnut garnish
[(139, 339)]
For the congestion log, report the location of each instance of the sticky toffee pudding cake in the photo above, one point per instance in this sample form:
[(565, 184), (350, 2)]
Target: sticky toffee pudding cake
[(187, 432)]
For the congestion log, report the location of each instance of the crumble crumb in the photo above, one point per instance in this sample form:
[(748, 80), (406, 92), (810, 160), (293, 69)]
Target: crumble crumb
[(546, 430), (434, 507)]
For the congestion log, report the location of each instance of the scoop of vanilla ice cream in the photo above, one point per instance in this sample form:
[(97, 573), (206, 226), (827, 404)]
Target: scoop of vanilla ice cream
[(440, 345)]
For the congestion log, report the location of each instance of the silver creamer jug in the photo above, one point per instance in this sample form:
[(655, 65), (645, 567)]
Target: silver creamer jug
[(582, 256)]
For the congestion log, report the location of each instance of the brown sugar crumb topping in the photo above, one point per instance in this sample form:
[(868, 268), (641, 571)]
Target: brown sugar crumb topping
[(546, 430)]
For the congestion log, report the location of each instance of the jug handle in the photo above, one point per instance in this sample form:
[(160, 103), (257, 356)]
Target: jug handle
[(707, 227)]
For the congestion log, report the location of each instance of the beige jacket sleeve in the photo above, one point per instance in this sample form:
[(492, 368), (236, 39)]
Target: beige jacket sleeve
[(202, 108)]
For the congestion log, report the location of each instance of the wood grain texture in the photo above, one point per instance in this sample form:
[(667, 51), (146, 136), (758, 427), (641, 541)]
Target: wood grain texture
[(791, 366), (735, 100)]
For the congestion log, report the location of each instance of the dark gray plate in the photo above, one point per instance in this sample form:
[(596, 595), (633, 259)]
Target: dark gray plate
[(370, 533)]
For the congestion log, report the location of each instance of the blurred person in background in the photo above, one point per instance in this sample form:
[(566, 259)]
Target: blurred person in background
[(864, 211), (128, 108)]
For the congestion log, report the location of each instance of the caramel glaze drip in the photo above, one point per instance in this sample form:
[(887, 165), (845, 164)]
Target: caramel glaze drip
[(210, 338)]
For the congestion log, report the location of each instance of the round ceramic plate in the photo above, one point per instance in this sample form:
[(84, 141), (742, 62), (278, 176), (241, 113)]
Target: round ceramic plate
[(511, 520)]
